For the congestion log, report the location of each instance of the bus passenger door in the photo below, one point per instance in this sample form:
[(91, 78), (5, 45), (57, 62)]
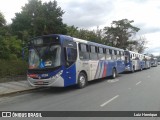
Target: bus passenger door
[(70, 64)]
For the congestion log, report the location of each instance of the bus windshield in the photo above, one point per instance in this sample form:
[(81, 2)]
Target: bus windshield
[(45, 57)]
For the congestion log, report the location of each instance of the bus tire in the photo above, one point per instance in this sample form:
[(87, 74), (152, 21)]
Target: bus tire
[(133, 69), (82, 80), (141, 68), (114, 73)]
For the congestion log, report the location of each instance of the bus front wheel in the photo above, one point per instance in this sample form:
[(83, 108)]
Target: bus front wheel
[(141, 68), (82, 80)]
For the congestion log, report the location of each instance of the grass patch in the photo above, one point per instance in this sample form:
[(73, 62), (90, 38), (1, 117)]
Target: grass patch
[(12, 70)]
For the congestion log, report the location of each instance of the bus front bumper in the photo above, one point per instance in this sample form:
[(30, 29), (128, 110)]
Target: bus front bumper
[(59, 82)]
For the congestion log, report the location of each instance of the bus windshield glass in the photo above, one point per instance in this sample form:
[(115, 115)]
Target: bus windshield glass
[(45, 56)]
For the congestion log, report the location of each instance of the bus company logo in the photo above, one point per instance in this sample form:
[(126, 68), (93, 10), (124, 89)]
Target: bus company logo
[(6, 114)]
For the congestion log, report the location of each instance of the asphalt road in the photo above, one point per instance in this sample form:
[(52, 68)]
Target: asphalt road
[(128, 92)]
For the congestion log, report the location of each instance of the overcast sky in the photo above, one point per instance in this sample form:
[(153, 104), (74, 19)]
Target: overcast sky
[(89, 14)]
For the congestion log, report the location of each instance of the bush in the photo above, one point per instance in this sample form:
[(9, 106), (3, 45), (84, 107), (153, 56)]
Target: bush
[(12, 68)]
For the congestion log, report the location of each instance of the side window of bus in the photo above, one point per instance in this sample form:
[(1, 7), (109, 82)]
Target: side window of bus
[(136, 58), (83, 52), (118, 55), (133, 57), (101, 53), (109, 54), (71, 56), (122, 56), (114, 54), (93, 53)]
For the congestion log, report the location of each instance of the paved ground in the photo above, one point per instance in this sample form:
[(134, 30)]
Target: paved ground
[(14, 87), (129, 92)]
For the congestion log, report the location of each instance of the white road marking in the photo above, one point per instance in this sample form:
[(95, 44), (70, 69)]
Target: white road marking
[(129, 88), (112, 81), (109, 101), (138, 82)]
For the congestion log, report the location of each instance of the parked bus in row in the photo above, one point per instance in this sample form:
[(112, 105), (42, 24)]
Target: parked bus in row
[(147, 60), (133, 61), (154, 62), (136, 61), (59, 60)]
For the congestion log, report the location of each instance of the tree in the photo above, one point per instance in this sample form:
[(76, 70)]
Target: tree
[(90, 35), (2, 20), (37, 18), (120, 33), (10, 46), (141, 44), (2, 24), (72, 31)]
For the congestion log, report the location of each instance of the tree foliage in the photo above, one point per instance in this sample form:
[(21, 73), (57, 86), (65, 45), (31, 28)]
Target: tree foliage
[(10, 46), (2, 20), (141, 44), (37, 18), (90, 35), (120, 33)]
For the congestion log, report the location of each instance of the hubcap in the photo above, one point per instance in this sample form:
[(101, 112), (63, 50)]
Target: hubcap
[(114, 74), (82, 80)]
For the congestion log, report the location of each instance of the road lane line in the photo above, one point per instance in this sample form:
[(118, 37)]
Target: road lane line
[(138, 83), (109, 101), (112, 81)]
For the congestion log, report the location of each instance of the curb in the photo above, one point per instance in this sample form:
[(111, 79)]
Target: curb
[(18, 91)]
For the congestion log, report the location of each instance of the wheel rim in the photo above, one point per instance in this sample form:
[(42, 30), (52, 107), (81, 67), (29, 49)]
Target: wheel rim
[(114, 74), (82, 80)]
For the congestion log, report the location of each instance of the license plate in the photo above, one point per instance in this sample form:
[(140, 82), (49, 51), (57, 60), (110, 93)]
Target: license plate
[(39, 82)]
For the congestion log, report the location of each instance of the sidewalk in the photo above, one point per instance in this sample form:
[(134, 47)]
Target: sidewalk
[(14, 87)]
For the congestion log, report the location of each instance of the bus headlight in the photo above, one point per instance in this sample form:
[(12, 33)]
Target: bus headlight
[(57, 75)]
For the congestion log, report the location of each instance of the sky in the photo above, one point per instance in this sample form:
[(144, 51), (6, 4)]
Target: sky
[(89, 14)]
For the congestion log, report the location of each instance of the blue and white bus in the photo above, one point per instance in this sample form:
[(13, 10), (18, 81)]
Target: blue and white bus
[(134, 61), (59, 60)]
